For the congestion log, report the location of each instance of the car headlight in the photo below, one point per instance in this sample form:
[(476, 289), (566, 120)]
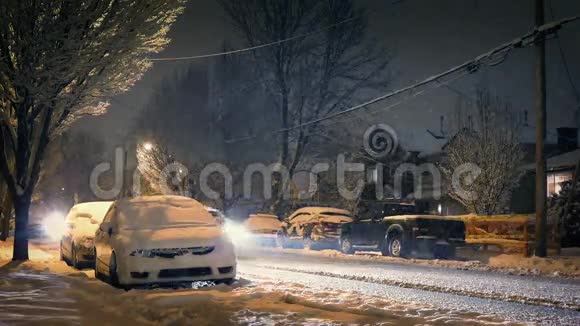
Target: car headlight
[(141, 253)]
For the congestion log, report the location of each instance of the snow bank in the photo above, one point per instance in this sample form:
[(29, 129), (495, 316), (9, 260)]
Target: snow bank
[(507, 264), (558, 266), (272, 303)]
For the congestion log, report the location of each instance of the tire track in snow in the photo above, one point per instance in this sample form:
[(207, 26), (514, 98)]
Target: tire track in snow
[(442, 289)]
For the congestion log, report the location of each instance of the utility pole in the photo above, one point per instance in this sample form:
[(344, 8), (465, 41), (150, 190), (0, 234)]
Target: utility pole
[(541, 187)]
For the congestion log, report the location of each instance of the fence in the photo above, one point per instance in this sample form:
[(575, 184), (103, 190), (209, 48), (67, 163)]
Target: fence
[(507, 231)]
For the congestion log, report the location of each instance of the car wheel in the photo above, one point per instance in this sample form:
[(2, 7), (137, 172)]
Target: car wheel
[(113, 276), (346, 246), (74, 258), (98, 274), (60, 252), (396, 248), (63, 257)]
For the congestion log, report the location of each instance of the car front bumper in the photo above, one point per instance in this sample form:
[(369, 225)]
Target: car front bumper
[(217, 265), (85, 248)]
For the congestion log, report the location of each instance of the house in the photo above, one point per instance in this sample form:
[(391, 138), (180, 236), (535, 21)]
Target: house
[(560, 164), (562, 159), (559, 169)]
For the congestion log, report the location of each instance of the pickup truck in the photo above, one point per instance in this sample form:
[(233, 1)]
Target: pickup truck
[(403, 235)]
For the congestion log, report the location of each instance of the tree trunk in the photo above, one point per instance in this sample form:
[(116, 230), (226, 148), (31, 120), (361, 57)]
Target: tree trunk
[(5, 210), (276, 206), (21, 207)]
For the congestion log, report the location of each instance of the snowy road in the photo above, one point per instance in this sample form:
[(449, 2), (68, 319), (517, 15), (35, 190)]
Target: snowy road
[(286, 288), (517, 298)]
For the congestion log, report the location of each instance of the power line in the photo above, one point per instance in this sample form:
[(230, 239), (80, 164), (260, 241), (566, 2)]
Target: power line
[(470, 66), (252, 48), (564, 61), (390, 106)]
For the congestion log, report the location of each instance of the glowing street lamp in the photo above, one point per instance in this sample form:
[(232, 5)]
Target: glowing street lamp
[(148, 146)]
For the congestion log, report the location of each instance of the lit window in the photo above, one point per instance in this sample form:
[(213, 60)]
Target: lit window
[(555, 181)]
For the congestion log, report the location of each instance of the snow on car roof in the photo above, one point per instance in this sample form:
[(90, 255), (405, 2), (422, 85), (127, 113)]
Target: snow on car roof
[(263, 222), (322, 210), (96, 209), (160, 211)]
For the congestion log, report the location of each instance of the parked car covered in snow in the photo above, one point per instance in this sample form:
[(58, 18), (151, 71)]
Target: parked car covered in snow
[(264, 228), (217, 214), (82, 221), (402, 235), (162, 239), (313, 227)]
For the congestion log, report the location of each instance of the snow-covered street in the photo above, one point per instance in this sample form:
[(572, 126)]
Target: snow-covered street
[(518, 298), (284, 287)]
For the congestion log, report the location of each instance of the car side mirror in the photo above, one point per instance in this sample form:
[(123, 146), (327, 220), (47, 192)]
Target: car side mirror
[(106, 227)]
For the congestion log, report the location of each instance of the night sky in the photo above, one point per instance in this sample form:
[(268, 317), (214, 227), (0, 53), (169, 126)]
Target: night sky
[(425, 38)]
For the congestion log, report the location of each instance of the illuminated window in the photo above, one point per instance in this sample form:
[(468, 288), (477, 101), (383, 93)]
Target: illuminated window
[(555, 181)]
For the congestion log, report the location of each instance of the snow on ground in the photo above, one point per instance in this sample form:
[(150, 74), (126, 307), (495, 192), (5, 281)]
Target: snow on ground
[(563, 266), (46, 291), (559, 266)]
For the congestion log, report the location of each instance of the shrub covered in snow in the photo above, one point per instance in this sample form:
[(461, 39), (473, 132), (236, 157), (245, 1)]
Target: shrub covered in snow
[(569, 216)]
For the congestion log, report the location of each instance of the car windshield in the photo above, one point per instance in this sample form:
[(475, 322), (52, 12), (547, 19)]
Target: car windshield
[(160, 215), (83, 219)]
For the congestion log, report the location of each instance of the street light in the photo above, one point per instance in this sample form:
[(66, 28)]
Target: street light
[(148, 146)]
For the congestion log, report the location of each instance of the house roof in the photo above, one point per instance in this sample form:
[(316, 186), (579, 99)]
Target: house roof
[(567, 160)]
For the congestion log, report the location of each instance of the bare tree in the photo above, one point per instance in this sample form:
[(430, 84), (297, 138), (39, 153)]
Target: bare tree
[(72, 157), (484, 157), (58, 61), (308, 77), (161, 172)]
